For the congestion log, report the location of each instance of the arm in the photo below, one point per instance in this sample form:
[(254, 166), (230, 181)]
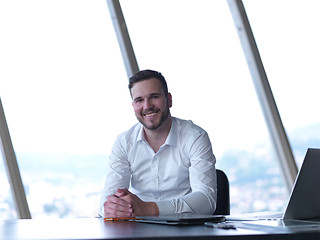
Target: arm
[(117, 200), (202, 174), (118, 176)]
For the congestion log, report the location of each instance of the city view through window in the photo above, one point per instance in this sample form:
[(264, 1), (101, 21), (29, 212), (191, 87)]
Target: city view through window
[(64, 91)]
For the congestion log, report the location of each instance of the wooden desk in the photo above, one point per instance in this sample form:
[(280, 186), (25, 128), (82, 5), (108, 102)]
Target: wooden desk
[(94, 228)]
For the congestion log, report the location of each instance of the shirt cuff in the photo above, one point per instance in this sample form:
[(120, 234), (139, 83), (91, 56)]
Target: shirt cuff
[(165, 207)]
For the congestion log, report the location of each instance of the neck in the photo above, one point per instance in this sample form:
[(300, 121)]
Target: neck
[(156, 138)]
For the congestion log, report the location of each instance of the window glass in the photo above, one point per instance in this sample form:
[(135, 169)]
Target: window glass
[(64, 92), (7, 210), (289, 46), (196, 47)]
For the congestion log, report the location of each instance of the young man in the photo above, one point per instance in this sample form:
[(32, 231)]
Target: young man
[(166, 162)]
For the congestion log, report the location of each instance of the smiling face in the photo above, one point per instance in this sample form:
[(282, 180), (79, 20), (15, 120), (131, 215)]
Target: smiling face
[(150, 104)]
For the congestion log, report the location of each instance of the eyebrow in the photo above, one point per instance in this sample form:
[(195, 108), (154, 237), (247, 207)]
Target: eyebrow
[(155, 94), (152, 94)]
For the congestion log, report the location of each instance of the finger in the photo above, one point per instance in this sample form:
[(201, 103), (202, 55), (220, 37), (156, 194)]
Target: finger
[(119, 194), (114, 207), (115, 214), (123, 191), (121, 202)]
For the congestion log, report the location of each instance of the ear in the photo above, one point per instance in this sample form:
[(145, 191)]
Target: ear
[(169, 100)]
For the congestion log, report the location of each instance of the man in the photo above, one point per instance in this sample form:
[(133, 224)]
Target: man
[(166, 162)]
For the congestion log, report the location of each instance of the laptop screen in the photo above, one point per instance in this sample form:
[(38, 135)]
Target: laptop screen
[(304, 201)]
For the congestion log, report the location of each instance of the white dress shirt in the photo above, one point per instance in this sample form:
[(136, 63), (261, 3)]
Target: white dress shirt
[(179, 178)]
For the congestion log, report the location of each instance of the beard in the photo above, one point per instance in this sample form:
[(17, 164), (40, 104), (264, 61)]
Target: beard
[(164, 116)]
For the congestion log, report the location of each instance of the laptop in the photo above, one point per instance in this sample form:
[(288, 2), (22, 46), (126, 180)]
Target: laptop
[(304, 200), (181, 219)]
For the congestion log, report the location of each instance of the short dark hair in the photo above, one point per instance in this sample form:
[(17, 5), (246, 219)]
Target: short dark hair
[(147, 74)]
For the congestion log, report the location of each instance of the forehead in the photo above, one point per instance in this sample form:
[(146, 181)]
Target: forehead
[(146, 87)]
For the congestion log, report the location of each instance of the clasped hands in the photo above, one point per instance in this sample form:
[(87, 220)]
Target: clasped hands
[(123, 203)]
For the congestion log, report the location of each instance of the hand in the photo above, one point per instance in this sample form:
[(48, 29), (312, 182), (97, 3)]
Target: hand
[(115, 206), (126, 204), (139, 207)]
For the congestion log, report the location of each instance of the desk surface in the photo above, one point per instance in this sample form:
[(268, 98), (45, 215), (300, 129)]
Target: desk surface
[(95, 228)]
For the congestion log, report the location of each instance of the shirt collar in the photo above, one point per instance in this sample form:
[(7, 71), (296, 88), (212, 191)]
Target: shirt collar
[(140, 134), (172, 136)]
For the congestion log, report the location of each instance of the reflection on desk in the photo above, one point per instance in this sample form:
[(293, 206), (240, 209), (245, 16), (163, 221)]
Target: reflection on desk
[(96, 228)]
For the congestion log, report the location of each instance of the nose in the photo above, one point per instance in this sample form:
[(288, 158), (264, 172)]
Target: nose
[(147, 104)]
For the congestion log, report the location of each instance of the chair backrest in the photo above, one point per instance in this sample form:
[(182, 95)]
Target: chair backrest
[(223, 196)]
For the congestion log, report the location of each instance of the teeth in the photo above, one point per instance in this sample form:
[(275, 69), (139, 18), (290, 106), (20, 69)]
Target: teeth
[(150, 114)]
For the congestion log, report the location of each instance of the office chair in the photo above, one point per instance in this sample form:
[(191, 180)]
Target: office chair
[(223, 197)]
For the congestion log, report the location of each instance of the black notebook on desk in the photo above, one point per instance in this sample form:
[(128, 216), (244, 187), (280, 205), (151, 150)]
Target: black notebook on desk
[(181, 219)]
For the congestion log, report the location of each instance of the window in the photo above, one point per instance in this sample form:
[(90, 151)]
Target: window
[(7, 210), (289, 46), (196, 47), (64, 92)]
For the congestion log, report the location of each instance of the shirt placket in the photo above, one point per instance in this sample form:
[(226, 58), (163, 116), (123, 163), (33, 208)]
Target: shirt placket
[(155, 176)]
